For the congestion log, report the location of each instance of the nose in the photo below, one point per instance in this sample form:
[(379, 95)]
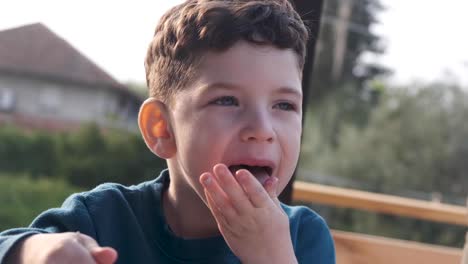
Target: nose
[(257, 128)]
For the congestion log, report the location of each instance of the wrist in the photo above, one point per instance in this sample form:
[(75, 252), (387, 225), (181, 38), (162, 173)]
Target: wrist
[(282, 255), (273, 260)]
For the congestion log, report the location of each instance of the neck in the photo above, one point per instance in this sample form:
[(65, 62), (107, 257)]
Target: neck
[(186, 213)]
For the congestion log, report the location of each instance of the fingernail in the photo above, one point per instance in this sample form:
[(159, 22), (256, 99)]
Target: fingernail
[(207, 180), (270, 181), (241, 174), (224, 169), (220, 168)]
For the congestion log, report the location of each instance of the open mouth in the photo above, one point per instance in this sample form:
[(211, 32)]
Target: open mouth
[(261, 173)]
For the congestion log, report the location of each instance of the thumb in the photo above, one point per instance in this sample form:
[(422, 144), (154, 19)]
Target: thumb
[(104, 255)]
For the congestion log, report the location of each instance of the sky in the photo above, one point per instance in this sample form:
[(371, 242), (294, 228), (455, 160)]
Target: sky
[(422, 42), (426, 40)]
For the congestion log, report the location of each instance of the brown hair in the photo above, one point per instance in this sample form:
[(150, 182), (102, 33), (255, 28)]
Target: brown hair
[(188, 30)]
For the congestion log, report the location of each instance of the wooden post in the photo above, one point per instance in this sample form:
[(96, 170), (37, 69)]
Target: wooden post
[(382, 203), (310, 12), (465, 249), (341, 36)]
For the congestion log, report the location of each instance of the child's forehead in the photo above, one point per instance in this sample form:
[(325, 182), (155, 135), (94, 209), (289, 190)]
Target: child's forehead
[(250, 65), (244, 52)]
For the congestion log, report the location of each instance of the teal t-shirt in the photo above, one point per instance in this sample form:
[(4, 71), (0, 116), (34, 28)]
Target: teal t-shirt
[(131, 220)]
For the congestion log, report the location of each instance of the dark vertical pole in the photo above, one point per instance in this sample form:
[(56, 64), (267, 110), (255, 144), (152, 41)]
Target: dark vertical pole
[(310, 11)]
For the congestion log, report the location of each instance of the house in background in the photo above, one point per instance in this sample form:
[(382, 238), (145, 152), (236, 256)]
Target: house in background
[(45, 83)]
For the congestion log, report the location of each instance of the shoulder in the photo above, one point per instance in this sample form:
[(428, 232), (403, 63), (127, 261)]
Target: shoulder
[(113, 199), (109, 204), (115, 189), (310, 235), (107, 192)]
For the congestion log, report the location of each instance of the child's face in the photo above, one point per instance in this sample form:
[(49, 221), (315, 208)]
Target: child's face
[(244, 109)]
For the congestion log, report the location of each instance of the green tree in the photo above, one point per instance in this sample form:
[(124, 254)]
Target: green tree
[(342, 81), (139, 88), (345, 35), (23, 198), (83, 158), (414, 144)]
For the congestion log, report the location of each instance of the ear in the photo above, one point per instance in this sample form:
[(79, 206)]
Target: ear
[(154, 124)]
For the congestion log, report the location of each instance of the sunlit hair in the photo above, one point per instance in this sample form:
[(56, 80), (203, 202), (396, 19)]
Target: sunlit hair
[(194, 27)]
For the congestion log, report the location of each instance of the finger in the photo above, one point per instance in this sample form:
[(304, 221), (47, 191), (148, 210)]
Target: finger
[(218, 196), (87, 241), (79, 254), (104, 255), (270, 187), (232, 188), (254, 190), (220, 219)]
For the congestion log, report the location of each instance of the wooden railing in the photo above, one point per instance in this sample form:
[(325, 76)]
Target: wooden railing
[(354, 248)]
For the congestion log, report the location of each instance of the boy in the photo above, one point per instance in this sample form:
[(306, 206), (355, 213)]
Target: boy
[(224, 79)]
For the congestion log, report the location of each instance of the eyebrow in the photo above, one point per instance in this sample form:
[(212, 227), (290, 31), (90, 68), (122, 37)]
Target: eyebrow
[(230, 86), (219, 85), (289, 90)]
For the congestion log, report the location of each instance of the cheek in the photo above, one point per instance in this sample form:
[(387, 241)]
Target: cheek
[(290, 138), (290, 142), (202, 143), (291, 150)]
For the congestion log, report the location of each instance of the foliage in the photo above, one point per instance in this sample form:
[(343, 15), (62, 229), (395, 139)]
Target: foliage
[(23, 198), (414, 144), (19, 150), (414, 139), (360, 41), (84, 158), (138, 88)]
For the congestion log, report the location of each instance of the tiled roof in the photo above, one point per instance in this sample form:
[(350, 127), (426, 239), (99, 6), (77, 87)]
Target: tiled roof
[(36, 50)]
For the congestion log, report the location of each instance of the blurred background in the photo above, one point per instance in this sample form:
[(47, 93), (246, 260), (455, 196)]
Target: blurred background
[(387, 107)]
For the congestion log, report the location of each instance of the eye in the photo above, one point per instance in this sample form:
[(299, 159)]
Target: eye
[(226, 101), (285, 106)]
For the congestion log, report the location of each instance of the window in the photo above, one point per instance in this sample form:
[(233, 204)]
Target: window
[(7, 99)]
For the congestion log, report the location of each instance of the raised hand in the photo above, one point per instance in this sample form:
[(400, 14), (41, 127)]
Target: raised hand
[(62, 248), (249, 215)]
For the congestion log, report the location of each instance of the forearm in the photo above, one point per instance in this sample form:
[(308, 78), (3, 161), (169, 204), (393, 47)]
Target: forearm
[(282, 259)]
